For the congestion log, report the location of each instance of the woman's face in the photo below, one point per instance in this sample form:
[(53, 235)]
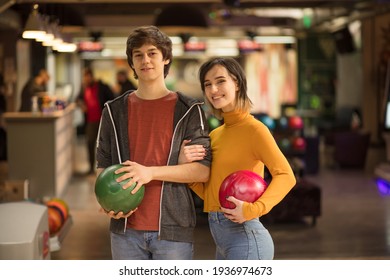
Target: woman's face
[(220, 88)]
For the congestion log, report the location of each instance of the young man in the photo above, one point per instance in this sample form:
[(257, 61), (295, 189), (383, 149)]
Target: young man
[(143, 130)]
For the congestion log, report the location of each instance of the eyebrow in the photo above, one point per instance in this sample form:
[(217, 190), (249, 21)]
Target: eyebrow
[(216, 78), (148, 50)]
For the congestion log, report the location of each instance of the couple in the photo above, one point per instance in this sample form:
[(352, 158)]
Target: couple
[(161, 138)]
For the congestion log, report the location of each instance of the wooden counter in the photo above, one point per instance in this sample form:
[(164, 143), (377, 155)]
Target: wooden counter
[(40, 149)]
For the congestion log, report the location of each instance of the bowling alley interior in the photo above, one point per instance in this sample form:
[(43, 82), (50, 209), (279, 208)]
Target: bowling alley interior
[(318, 76)]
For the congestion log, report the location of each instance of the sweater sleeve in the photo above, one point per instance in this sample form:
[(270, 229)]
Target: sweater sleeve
[(197, 188), (283, 179)]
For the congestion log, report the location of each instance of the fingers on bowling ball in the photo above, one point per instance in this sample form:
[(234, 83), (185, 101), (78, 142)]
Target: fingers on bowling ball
[(135, 188), (244, 185), (230, 199), (121, 214), (111, 195)]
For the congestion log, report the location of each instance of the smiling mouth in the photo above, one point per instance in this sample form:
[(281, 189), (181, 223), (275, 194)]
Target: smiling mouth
[(217, 97)]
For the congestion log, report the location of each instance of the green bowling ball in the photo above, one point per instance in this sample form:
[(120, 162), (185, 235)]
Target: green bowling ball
[(110, 194)]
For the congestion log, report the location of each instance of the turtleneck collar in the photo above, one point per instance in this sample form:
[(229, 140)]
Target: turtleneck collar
[(234, 117)]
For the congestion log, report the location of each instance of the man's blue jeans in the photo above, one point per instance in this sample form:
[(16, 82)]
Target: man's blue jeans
[(144, 245), (246, 241)]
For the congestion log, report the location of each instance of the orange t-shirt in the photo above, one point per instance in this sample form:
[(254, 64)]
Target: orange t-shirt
[(150, 134)]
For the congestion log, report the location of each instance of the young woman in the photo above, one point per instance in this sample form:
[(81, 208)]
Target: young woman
[(241, 143)]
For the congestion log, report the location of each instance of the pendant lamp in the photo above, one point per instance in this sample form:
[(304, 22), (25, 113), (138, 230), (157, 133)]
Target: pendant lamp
[(34, 28)]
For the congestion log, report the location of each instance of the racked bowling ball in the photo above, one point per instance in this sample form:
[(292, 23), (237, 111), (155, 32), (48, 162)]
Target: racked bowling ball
[(295, 122), (299, 144), (56, 220), (213, 122), (59, 204), (111, 195), (244, 185), (268, 121)]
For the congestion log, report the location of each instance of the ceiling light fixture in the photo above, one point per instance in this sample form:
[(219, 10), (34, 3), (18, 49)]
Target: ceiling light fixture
[(46, 29), (34, 28), (49, 36)]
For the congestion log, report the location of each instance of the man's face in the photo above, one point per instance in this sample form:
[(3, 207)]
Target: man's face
[(148, 62)]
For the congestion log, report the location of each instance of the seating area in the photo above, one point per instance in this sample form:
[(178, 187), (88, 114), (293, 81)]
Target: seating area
[(350, 149), (304, 200)]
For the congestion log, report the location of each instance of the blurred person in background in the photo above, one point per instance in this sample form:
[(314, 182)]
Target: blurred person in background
[(123, 82), (36, 86), (91, 99)]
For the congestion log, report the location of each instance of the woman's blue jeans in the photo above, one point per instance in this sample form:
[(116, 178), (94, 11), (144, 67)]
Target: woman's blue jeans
[(247, 241), (145, 245)]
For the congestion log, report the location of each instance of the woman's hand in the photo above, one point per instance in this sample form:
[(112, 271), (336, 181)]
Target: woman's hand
[(237, 214), (191, 153)]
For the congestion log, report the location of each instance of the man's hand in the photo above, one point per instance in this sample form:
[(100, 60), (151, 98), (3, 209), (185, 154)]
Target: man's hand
[(137, 173), (119, 215)]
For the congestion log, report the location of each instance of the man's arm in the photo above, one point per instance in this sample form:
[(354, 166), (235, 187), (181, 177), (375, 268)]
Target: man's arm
[(184, 173)]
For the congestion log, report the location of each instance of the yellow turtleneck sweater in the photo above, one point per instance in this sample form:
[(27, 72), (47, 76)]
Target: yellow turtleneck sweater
[(244, 143)]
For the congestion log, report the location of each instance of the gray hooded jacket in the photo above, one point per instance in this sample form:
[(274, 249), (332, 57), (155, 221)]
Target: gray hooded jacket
[(177, 212)]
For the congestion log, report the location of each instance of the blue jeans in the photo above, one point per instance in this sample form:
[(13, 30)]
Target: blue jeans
[(145, 245), (246, 241)]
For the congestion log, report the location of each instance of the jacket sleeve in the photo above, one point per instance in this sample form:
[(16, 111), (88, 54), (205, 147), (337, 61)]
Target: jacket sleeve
[(198, 132), (103, 145)]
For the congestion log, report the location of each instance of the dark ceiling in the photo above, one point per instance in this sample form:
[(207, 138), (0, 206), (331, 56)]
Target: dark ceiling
[(116, 18)]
